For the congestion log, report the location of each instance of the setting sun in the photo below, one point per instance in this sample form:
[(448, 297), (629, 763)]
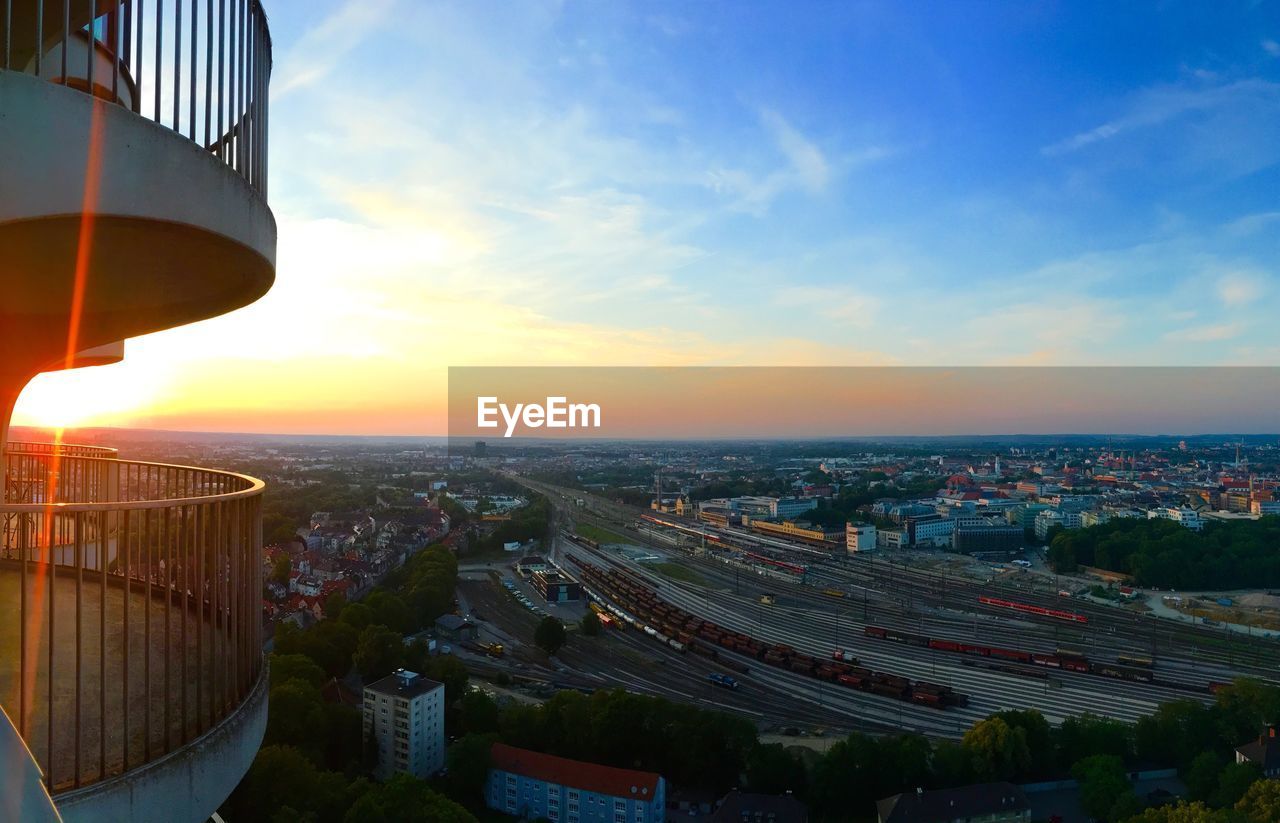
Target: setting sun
[(101, 395)]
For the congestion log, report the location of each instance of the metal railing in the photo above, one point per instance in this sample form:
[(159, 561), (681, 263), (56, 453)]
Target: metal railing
[(138, 591), (199, 67), (65, 449)]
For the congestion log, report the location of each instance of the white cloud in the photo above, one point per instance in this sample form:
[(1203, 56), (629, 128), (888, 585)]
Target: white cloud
[(1237, 289), (1211, 333), (1159, 105), (1271, 47), (323, 47), (806, 159), (839, 304)]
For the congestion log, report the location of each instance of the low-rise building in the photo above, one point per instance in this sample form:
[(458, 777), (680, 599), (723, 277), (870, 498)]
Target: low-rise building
[(987, 537), (556, 587), (1189, 518), (986, 802), (404, 716), (532, 563), (1265, 508), (859, 537), (452, 627), (736, 807), (930, 530), (1049, 519), (1025, 514), (1264, 752), (532, 785), (891, 539)]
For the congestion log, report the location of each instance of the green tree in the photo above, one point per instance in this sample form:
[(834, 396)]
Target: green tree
[(389, 610), (1088, 734), (329, 643), (450, 671), (999, 750), (1181, 812), (296, 717), (379, 652), (550, 635), (771, 769), (1261, 803), (406, 799), (1038, 735), (281, 569), (334, 604), (344, 740), (590, 624), (286, 667), (1103, 782), (469, 761), (479, 713), (282, 778), (358, 616), (1233, 782), (1202, 776)]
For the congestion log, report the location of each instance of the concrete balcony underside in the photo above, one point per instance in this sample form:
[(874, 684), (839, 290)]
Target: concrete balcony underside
[(161, 232)]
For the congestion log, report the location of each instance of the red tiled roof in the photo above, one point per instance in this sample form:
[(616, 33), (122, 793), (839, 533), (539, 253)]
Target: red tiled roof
[(590, 777)]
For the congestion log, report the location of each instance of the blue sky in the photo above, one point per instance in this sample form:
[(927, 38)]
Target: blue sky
[(947, 183)]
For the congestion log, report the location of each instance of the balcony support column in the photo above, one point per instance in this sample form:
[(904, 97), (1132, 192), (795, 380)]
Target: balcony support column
[(11, 386)]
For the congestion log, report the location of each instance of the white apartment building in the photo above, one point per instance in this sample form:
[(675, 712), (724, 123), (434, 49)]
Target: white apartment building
[(404, 713), (1047, 519), (935, 531), (1190, 518)]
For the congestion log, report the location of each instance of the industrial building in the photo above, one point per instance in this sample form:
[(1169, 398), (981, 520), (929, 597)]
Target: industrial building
[(987, 537), (556, 586)]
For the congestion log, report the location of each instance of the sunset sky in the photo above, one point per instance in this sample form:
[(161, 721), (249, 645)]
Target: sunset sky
[(513, 183)]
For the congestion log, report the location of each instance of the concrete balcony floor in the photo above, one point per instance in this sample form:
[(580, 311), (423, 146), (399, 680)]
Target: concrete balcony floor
[(102, 688)]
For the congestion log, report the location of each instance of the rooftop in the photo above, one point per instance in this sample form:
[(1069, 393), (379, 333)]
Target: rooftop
[(403, 683), (1265, 751), (744, 807), (451, 622), (592, 777), (951, 804)]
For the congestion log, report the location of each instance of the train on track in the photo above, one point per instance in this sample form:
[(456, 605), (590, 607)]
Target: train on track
[(792, 568), (1063, 659), (637, 603), (1029, 608)]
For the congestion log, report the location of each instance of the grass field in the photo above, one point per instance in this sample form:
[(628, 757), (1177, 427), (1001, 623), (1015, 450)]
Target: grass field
[(600, 535), (677, 572)]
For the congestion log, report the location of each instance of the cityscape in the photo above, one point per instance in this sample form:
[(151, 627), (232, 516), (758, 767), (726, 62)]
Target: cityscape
[(1032, 627), (636, 412)]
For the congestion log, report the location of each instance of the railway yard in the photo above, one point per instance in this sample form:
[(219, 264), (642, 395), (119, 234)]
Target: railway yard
[(801, 640)]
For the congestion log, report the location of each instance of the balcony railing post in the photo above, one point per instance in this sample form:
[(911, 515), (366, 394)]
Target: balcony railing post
[(80, 523)]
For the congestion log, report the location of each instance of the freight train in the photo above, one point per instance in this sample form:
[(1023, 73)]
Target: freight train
[(1064, 659), (683, 632)]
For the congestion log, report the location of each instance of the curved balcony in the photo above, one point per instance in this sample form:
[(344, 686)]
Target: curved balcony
[(133, 172), (133, 669)]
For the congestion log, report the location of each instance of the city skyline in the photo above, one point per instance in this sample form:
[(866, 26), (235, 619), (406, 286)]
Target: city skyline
[(669, 186)]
